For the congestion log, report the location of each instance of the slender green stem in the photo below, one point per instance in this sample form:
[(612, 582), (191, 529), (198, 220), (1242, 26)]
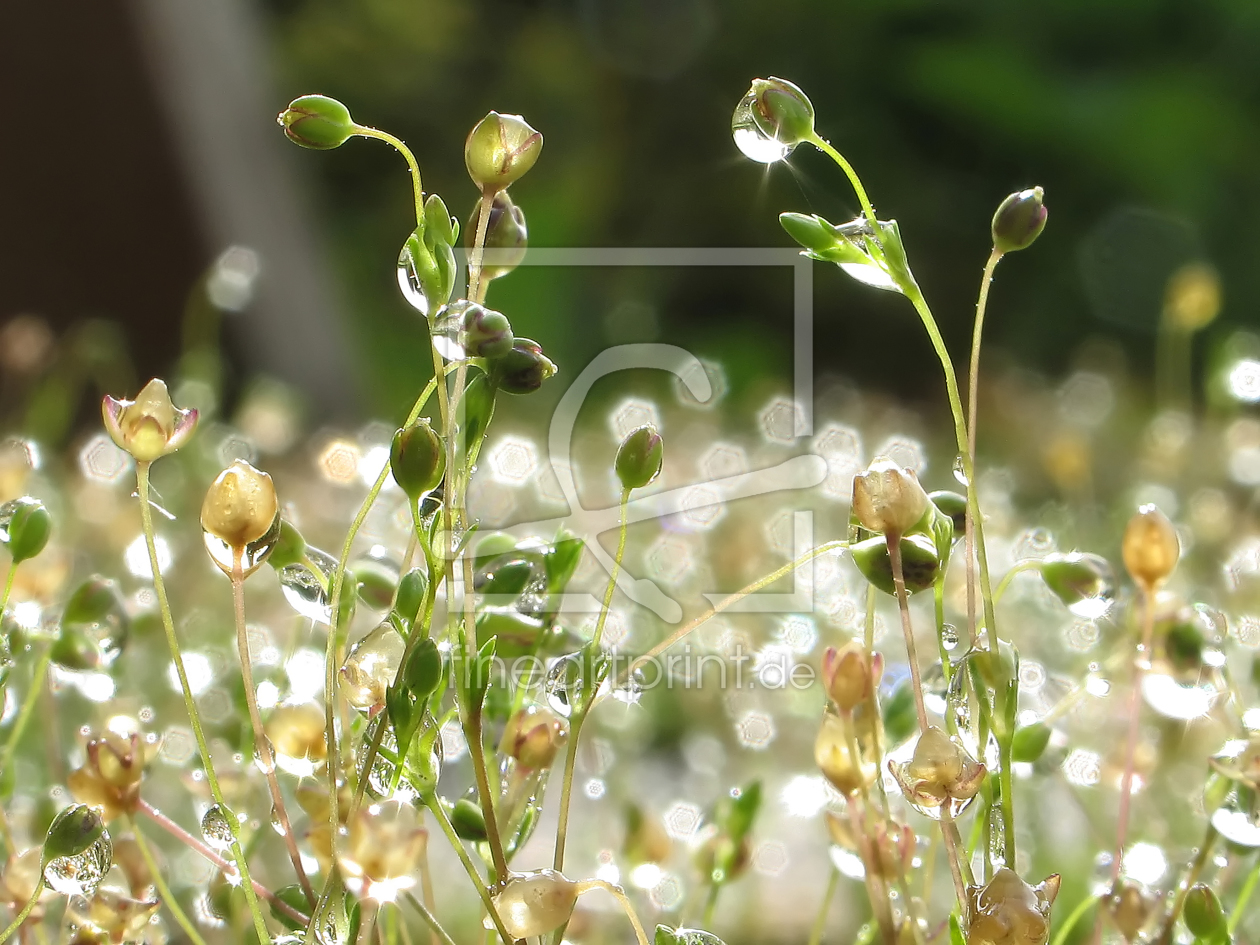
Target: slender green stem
[(1244, 897), (28, 708), (474, 735), (330, 651), (973, 408), (8, 586), (190, 704), (820, 921), (1191, 877), (163, 890), (22, 916), (1065, 929), (429, 919), (723, 604), (262, 744), (1140, 664), (417, 185), (710, 905), (1027, 564), (476, 284), (867, 209), (444, 823), (570, 762)]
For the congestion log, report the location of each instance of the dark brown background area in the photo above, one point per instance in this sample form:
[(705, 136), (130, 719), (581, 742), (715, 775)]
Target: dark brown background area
[(96, 220)]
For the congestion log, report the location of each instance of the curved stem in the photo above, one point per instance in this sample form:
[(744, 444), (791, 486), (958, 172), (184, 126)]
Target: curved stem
[(194, 843), (867, 209), (190, 704), (907, 628), (8, 586), (396, 143), (1192, 876), (435, 927), (622, 899), (476, 285), (1244, 897), (262, 744), (28, 708), (445, 823), (566, 788), (1135, 709), (23, 915), (164, 891), (973, 400)]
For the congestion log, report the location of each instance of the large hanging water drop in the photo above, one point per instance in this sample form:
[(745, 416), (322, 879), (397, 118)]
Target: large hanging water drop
[(79, 875), (304, 590), (750, 139)]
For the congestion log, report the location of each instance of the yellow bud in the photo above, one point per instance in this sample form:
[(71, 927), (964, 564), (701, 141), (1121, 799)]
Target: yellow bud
[(887, 499), (381, 851), (240, 505), (533, 737), (1150, 547), (833, 755), (533, 904), (297, 734), (150, 426)]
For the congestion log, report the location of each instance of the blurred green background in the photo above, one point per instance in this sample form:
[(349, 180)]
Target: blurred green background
[(943, 108), (1141, 119)]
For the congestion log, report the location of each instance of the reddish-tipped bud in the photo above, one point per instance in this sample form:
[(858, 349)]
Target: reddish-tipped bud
[(1019, 220), (850, 674)]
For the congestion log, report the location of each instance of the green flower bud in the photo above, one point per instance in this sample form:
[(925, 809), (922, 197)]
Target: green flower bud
[(639, 458), (561, 560), (506, 236), (487, 333), (94, 626), (920, 563), (24, 527), (812, 232), (317, 121), (417, 458), (953, 506), (782, 111), (377, 583), (73, 832), (1029, 742), (1077, 578), (411, 592), (1019, 220), (1203, 913), (290, 547), (500, 150), (468, 820), (523, 369)]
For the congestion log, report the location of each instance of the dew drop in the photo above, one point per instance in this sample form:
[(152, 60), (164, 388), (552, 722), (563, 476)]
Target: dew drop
[(370, 667), (1237, 824), (750, 139), (79, 875), (960, 471), (216, 829), (302, 588), (949, 636), (253, 556)]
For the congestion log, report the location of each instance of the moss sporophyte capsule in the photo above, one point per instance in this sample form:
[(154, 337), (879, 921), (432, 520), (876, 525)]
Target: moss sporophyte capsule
[(240, 517), (1019, 220), (317, 121), (417, 458), (640, 457), (500, 150)]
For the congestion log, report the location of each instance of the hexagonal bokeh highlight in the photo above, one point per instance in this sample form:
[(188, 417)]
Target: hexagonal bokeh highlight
[(101, 461), (904, 451), (841, 447), (718, 385), (338, 462), (702, 507), (669, 559), (723, 460), (631, 414), (780, 419), (756, 730), (513, 460)]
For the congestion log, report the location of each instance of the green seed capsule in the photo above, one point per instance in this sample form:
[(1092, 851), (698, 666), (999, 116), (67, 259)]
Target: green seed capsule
[(317, 121), (1203, 913), (24, 527), (290, 546), (782, 111), (523, 369), (1019, 220), (1029, 743), (73, 831), (639, 458), (500, 150), (487, 333), (468, 820), (417, 459)]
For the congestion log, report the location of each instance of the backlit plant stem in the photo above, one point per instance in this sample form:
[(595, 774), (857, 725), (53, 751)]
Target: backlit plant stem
[(820, 921), (444, 823), (190, 704), (1130, 752), (435, 927), (8, 585), (1192, 876), (566, 789), (28, 708), (262, 744), (907, 628), (622, 900), (163, 890), (973, 408), (23, 915)]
